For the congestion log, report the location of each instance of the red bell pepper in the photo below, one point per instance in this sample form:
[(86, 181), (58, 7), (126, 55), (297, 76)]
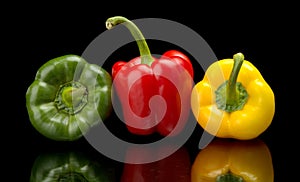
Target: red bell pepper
[(154, 92), (175, 168)]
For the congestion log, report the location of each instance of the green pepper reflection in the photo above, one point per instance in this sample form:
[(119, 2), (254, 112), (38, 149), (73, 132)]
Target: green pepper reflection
[(70, 167)]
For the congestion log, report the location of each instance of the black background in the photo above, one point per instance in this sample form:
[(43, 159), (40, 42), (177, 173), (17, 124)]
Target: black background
[(37, 33)]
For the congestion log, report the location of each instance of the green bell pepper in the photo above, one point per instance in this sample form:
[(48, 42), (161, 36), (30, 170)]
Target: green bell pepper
[(70, 166), (67, 97)]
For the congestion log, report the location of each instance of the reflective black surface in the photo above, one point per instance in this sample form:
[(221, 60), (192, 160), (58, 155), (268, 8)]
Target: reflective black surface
[(46, 33)]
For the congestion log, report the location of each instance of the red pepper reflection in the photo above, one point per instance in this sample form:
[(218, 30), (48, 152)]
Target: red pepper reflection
[(175, 168)]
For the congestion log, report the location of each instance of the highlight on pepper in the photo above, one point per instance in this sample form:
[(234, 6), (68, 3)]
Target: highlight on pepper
[(67, 97), (233, 100), (146, 82)]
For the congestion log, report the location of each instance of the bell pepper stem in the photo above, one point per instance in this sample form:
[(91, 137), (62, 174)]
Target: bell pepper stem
[(71, 97), (146, 57), (231, 89), (229, 177), (232, 95)]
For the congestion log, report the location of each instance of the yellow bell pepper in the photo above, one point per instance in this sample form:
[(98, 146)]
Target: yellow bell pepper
[(226, 160), (233, 100)]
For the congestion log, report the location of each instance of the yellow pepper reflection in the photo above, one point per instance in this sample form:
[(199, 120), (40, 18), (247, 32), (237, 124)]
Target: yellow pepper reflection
[(225, 160)]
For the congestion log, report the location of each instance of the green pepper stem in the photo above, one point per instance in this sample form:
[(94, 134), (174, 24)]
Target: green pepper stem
[(73, 96), (146, 57), (231, 88)]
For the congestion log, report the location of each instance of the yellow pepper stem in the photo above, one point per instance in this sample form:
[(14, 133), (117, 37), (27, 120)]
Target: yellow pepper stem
[(231, 95), (231, 88), (229, 177)]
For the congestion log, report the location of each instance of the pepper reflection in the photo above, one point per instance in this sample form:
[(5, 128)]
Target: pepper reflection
[(69, 167), (174, 168), (233, 160)]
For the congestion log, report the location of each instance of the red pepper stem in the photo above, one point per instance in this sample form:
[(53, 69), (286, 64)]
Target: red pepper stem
[(231, 89), (146, 57)]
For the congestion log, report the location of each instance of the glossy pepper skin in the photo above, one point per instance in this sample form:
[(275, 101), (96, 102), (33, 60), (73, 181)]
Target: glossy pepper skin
[(233, 100), (70, 166), (226, 160), (154, 92), (67, 97)]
